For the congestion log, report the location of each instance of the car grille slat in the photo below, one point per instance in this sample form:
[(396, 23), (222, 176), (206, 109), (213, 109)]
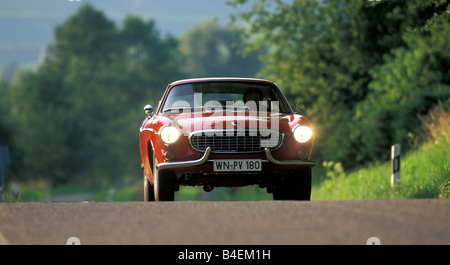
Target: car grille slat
[(222, 141)]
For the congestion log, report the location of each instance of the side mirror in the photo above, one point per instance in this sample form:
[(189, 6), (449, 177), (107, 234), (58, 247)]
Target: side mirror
[(300, 108), (148, 109)]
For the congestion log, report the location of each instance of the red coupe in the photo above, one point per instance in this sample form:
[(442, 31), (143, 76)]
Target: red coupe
[(225, 132)]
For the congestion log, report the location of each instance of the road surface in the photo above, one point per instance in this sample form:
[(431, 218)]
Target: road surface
[(411, 222)]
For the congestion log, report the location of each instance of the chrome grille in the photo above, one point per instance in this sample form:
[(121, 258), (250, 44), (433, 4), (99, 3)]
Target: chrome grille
[(233, 141)]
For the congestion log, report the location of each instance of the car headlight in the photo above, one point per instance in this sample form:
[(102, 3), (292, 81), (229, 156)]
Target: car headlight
[(169, 134), (302, 134)]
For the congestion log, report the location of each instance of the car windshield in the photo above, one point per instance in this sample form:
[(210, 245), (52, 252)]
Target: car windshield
[(224, 95)]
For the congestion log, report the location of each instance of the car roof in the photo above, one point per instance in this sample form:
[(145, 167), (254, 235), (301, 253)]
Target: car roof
[(218, 79), (213, 79)]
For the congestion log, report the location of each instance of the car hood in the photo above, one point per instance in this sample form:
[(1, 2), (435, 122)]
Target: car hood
[(189, 122)]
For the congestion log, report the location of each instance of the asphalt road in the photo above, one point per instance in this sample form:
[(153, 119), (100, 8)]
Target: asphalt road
[(411, 222)]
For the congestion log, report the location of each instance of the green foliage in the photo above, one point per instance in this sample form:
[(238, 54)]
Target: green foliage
[(333, 169), (4, 110), (364, 69), (444, 190), (87, 34), (77, 116), (424, 173), (411, 82), (210, 50)]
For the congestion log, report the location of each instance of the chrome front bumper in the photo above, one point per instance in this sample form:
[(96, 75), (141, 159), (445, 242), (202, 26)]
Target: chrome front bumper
[(204, 158), (192, 163), (287, 162)]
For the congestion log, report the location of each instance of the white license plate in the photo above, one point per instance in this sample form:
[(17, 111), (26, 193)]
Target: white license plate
[(231, 165)]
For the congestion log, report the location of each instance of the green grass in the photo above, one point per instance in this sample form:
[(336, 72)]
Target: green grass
[(32, 191), (130, 193), (424, 173)]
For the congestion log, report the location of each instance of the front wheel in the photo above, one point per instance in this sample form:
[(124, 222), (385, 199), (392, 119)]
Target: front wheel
[(164, 186), (294, 186), (149, 191)]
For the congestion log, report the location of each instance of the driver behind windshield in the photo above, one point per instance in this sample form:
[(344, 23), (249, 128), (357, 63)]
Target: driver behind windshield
[(252, 97)]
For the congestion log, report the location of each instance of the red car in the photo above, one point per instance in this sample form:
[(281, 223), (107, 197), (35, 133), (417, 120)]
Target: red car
[(225, 132)]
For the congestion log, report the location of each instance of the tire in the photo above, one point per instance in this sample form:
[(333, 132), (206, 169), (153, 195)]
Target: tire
[(149, 191), (164, 186), (294, 186)]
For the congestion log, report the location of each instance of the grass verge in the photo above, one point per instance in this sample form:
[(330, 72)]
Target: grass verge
[(424, 173)]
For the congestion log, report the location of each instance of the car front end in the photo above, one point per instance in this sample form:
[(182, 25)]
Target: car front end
[(221, 141)]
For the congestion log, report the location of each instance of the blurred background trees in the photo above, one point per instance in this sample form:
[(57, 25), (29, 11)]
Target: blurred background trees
[(77, 116), (213, 51), (365, 70)]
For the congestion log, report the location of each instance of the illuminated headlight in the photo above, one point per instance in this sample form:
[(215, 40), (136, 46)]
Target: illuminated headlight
[(302, 134), (169, 134)]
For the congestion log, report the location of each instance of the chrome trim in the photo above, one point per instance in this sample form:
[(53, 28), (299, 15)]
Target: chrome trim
[(142, 124), (204, 159), (148, 110), (191, 163), (149, 130), (287, 162), (224, 131), (141, 129)]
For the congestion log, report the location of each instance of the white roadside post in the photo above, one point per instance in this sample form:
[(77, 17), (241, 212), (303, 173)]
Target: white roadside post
[(395, 157)]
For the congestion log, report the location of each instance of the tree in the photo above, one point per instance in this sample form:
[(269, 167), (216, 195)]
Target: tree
[(5, 134), (152, 61), (322, 54), (77, 116), (413, 80), (210, 50), (38, 118), (88, 34)]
